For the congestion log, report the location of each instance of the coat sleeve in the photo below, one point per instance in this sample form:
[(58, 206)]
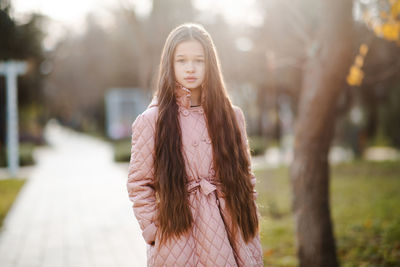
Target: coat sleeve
[(141, 176), (242, 126)]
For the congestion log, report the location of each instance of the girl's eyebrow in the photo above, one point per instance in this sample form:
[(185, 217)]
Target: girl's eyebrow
[(184, 55)]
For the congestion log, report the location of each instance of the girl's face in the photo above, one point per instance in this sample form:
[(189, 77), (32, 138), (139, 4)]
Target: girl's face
[(189, 64)]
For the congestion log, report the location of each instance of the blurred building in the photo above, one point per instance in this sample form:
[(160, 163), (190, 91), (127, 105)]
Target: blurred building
[(122, 106)]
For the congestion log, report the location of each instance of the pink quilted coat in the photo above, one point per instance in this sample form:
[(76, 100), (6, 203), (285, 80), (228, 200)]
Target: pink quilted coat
[(207, 243)]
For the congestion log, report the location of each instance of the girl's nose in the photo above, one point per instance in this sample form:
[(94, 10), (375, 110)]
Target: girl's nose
[(190, 67)]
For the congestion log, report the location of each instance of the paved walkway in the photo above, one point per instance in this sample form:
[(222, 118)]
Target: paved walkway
[(74, 209)]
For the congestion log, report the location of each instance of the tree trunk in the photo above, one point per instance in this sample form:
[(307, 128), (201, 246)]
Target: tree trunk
[(261, 105), (324, 77)]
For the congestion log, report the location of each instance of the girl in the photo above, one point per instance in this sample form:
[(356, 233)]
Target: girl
[(190, 178)]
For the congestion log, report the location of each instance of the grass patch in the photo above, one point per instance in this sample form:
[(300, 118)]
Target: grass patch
[(365, 199), (9, 189)]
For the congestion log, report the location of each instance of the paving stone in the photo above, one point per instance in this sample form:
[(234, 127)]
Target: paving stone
[(74, 209)]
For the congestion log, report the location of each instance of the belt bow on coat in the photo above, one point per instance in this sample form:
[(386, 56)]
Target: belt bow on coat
[(205, 185)]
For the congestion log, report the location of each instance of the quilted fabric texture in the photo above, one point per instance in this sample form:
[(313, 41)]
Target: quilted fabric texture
[(207, 244)]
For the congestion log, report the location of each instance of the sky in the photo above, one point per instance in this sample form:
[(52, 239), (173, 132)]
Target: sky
[(65, 10), (69, 12), (66, 15)]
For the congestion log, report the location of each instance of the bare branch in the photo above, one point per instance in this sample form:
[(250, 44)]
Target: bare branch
[(383, 75), (298, 22)]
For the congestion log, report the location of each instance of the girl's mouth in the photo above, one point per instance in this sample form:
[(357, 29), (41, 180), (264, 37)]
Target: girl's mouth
[(190, 79)]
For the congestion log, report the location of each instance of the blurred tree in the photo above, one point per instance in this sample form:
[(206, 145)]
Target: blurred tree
[(383, 16), (279, 58), (23, 42), (123, 54), (390, 117), (382, 77), (150, 32), (374, 76), (329, 58), (384, 23), (126, 53), (83, 71)]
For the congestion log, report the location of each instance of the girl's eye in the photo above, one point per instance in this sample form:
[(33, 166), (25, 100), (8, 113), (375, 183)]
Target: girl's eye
[(200, 60), (180, 60)]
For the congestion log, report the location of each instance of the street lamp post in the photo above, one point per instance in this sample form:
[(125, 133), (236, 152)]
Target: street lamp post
[(11, 70)]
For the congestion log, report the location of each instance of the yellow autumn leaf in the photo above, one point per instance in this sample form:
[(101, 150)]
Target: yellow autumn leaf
[(363, 49), (268, 252), (351, 81), (359, 61), (377, 30), (355, 76), (384, 15), (367, 223), (390, 31), (395, 9)]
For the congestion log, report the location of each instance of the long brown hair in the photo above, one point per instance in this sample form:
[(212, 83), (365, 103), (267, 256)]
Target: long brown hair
[(229, 151)]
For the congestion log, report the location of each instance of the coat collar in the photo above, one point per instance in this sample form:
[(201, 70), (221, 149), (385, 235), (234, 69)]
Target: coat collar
[(182, 98)]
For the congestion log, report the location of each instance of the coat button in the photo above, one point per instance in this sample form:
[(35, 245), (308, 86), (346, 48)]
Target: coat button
[(195, 143), (208, 141), (185, 112), (201, 111), (212, 172), (203, 139)]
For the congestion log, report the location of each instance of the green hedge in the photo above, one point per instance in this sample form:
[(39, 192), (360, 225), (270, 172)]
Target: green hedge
[(122, 150), (25, 155), (258, 145)]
